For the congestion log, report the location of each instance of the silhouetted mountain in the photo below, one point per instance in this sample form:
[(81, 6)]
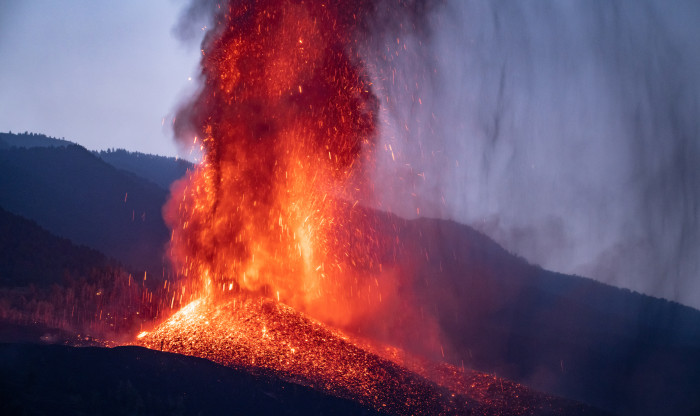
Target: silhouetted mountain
[(29, 140), (160, 170), (31, 255), (74, 194), (37, 380), (571, 336), (49, 284)]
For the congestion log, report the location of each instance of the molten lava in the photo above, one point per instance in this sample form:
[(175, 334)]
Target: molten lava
[(262, 335), (269, 234), (286, 123)]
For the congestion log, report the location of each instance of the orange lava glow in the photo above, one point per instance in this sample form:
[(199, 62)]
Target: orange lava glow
[(269, 233), (286, 124), (262, 335)]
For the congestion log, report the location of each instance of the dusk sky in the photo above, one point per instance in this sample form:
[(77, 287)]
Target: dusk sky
[(567, 131), (103, 74)]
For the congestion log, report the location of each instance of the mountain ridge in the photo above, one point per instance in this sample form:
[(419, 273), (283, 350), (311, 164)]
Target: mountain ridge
[(75, 195)]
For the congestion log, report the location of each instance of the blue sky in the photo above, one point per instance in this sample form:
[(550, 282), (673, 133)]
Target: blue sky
[(100, 73)]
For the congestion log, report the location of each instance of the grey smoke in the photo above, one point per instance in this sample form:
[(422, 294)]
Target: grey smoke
[(195, 17), (567, 131)]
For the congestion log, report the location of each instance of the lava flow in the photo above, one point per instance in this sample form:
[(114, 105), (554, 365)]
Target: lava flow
[(265, 336)]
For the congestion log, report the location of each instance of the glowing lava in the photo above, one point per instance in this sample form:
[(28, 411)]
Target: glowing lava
[(285, 120), (262, 335), (286, 123)]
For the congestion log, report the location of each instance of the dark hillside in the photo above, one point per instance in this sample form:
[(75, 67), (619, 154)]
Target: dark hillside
[(75, 195), (610, 347), (29, 140), (31, 255), (37, 380), (566, 335), (50, 285), (160, 170)]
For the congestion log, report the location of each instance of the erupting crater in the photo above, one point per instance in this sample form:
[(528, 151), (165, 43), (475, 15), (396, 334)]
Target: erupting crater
[(269, 237), (265, 336)]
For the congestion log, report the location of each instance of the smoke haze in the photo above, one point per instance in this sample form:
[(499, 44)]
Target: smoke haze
[(567, 131)]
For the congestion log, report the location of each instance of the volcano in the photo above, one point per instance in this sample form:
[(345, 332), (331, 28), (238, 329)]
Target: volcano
[(283, 269)]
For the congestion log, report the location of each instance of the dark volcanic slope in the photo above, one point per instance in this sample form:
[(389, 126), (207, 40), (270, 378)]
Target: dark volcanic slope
[(562, 334), (37, 379), (261, 334), (162, 171), (610, 347)]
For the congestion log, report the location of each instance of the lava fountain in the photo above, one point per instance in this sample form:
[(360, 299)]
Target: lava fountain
[(285, 120), (277, 254), (286, 123)]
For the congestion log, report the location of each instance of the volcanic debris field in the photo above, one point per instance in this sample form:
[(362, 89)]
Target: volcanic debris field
[(267, 337)]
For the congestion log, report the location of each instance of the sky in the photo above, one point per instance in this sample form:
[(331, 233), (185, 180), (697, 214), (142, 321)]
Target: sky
[(567, 131), (104, 74)]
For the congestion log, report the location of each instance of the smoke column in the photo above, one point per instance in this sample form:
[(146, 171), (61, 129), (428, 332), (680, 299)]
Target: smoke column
[(566, 131)]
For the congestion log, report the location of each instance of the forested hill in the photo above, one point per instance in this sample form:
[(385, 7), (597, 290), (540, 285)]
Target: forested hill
[(31, 255), (74, 194), (160, 170), (28, 140)]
